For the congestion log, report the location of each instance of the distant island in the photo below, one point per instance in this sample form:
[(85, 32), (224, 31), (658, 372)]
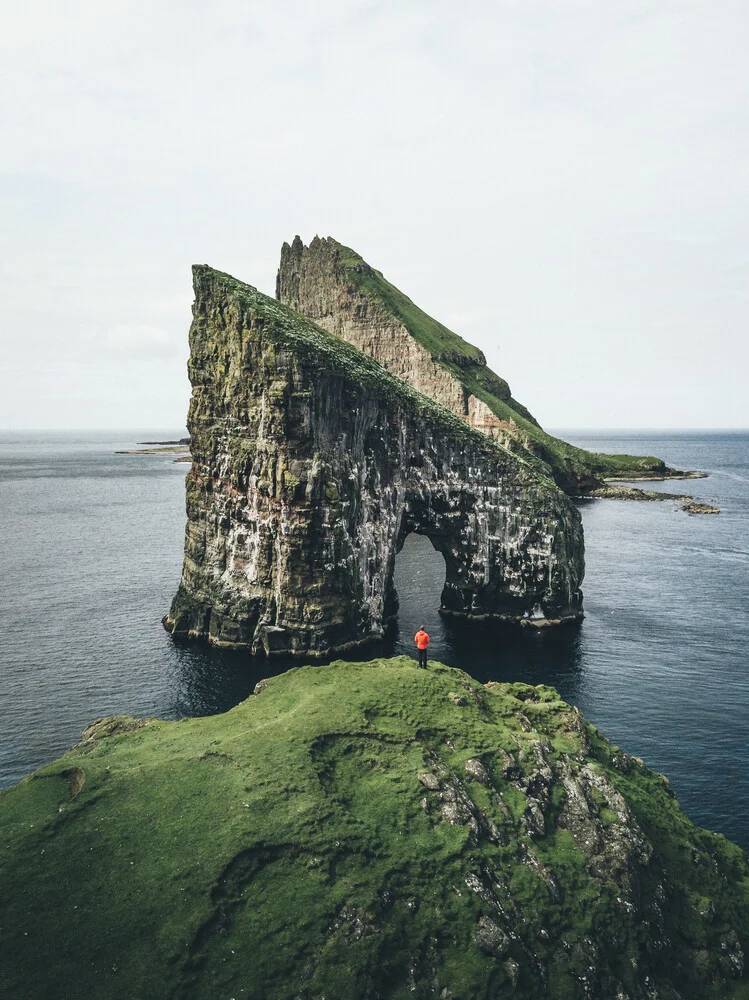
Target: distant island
[(180, 448)]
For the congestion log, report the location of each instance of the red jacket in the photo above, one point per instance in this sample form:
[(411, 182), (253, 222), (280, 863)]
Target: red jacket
[(421, 639)]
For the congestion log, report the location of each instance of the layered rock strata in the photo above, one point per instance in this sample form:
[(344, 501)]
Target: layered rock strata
[(311, 464), (333, 286), (315, 281)]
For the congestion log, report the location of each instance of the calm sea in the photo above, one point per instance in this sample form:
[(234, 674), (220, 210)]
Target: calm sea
[(91, 551)]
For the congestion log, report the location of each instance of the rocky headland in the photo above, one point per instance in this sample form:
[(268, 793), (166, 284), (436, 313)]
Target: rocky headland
[(370, 831), (311, 464)]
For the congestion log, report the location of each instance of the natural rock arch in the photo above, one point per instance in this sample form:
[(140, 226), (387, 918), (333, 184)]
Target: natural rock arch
[(311, 463), (462, 590)]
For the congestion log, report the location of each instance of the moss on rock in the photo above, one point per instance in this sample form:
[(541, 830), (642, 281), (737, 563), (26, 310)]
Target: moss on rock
[(354, 830)]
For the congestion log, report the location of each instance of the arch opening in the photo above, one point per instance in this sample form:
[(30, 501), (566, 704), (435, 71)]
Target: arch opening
[(418, 582)]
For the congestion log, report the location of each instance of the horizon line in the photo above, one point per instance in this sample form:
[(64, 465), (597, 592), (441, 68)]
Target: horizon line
[(556, 431)]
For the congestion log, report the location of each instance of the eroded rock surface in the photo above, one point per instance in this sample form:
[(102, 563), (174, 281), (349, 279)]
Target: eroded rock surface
[(333, 286), (311, 464), (313, 281)]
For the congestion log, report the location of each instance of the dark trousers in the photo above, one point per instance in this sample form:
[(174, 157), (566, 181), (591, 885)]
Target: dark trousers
[(422, 657)]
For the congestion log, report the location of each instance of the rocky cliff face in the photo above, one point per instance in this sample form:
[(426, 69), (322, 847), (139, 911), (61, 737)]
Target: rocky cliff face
[(315, 281), (368, 831), (333, 286), (311, 464)]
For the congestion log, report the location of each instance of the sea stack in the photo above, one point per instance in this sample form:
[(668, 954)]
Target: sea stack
[(312, 463)]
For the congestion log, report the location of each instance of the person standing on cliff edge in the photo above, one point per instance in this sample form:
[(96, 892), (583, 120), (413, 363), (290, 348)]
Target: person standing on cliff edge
[(422, 640)]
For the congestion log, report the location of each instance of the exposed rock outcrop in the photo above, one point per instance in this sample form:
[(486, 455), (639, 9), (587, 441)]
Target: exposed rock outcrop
[(613, 491), (311, 464), (694, 507), (333, 286), (316, 281), (351, 831)]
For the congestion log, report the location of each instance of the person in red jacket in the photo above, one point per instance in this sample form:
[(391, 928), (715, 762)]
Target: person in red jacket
[(422, 640)]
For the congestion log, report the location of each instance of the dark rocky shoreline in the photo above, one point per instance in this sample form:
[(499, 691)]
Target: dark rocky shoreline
[(612, 491)]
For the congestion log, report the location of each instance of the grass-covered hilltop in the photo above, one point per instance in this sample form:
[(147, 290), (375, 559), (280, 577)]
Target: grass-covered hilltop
[(365, 830), (334, 286)]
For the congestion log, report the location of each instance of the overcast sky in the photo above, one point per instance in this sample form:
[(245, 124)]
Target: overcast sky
[(562, 182)]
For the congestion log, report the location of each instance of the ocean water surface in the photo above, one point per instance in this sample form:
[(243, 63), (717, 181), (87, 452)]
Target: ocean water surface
[(91, 552)]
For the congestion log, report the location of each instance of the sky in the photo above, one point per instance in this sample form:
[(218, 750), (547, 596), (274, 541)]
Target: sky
[(562, 182)]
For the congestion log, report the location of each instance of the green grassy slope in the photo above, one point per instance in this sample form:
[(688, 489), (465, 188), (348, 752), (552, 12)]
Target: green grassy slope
[(301, 846), (573, 468)]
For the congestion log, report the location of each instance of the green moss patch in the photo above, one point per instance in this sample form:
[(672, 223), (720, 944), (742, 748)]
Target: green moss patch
[(351, 831)]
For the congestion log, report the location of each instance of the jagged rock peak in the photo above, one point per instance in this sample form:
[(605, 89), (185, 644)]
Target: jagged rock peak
[(332, 285), (311, 464), (336, 288)]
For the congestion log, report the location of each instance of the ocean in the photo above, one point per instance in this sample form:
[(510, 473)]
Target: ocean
[(91, 552)]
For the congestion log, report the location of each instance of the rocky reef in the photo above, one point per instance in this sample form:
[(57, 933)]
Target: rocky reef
[(332, 285), (311, 464), (614, 491), (365, 830)]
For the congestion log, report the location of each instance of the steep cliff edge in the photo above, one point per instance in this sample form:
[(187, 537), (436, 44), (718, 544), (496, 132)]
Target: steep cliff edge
[(311, 464), (365, 831), (333, 286)]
